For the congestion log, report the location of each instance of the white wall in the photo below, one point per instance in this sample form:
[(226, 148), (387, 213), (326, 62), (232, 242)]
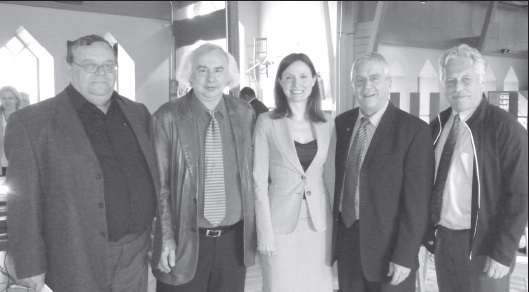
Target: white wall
[(147, 41), (294, 27)]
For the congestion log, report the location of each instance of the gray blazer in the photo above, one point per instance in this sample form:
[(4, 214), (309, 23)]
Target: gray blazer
[(277, 205), (56, 221)]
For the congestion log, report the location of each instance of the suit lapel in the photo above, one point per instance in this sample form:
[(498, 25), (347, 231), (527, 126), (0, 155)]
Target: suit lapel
[(383, 131), (238, 130), (186, 130), (286, 143), (321, 131), (135, 119), (68, 122)]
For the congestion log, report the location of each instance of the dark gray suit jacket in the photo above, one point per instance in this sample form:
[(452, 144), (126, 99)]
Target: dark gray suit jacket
[(57, 223)]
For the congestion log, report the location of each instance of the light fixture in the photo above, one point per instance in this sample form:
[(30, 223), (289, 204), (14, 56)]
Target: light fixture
[(504, 51)]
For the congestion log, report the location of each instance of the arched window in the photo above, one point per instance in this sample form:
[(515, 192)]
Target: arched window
[(27, 66), (126, 81)]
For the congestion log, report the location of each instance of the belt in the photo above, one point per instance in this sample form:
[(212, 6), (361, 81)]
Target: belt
[(217, 231)]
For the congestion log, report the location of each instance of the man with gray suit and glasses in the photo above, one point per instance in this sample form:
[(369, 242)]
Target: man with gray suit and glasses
[(82, 182)]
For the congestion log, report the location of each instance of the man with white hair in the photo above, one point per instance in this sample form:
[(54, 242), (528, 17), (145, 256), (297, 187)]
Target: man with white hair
[(384, 173), (203, 146), (479, 198)]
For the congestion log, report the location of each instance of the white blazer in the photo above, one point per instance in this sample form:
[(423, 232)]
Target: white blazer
[(277, 205)]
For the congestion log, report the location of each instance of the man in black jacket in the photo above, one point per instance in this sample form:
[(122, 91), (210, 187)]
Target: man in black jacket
[(479, 199), (249, 95)]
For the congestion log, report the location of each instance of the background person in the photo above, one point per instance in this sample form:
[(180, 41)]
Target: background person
[(248, 94), (293, 211), (10, 101), (24, 98)]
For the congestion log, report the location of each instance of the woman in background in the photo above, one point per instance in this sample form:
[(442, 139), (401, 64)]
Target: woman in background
[(10, 102), (293, 211)]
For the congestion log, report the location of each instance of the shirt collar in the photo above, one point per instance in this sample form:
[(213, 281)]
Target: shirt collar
[(463, 116), (199, 108), (79, 101), (376, 117)]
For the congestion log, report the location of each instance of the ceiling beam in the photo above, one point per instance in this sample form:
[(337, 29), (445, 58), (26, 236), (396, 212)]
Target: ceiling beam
[(489, 19), (375, 29)]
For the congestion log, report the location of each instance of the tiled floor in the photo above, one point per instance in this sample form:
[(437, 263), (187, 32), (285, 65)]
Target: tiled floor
[(518, 278), (254, 280)]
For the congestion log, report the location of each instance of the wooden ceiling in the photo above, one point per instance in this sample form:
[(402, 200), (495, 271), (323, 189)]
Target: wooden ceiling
[(426, 24)]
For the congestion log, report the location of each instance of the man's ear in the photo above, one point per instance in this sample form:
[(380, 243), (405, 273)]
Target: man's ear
[(115, 49), (68, 45)]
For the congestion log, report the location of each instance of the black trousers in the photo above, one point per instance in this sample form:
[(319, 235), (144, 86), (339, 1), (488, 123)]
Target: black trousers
[(456, 271), (220, 265), (350, 273)]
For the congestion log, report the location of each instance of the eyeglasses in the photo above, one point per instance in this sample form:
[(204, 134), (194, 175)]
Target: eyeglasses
[(93, 67)]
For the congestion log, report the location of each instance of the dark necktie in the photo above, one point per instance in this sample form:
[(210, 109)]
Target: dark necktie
[(445, 162), (214, 191), (352, 169)]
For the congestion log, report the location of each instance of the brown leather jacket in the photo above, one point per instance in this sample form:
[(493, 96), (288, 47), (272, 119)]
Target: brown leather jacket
[(175, 144)]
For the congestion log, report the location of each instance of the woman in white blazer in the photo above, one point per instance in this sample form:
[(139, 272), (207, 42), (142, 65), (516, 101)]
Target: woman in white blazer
[(292, 198)]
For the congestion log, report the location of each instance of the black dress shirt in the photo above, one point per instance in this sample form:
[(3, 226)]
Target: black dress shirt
[(130, 197)]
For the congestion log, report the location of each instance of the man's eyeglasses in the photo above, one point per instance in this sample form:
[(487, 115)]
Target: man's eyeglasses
[(93, 67)]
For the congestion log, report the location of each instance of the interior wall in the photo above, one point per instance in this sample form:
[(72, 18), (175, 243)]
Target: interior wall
[(412, 60), (146, 40)]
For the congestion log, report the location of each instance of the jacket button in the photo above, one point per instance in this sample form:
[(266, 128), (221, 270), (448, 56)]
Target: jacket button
[(303, 177), (195, 200), (193, 229), (100, 205), (103, 234), (99, 176), (308, 193)]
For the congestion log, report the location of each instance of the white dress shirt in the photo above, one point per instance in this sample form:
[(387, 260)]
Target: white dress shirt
[(457, 195)]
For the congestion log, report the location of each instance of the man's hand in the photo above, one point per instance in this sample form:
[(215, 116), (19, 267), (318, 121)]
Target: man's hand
[(269, 250), (495, 270), (36, 282), (167, 261), (399, 273)]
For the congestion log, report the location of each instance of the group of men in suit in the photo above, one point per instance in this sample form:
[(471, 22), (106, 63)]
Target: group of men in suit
[(89, 170), (477, 177)]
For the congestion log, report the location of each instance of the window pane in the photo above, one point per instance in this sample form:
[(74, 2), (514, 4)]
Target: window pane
[(25, 73), (15, 46)]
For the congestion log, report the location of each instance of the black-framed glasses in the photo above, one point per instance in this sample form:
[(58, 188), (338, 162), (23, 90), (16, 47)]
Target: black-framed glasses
[(93, 67)]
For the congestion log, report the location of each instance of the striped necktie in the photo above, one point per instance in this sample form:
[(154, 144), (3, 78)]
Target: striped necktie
[(436, 203), (352, 169), (214, 190)]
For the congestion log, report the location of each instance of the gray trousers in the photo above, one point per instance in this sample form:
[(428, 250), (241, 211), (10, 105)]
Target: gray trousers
[(127, 263), (456, 272)]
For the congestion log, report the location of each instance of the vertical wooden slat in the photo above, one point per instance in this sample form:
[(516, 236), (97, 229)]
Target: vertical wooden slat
[(415, 104)]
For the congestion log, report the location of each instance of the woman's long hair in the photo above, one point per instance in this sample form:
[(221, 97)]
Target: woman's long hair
[(315, 113)]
